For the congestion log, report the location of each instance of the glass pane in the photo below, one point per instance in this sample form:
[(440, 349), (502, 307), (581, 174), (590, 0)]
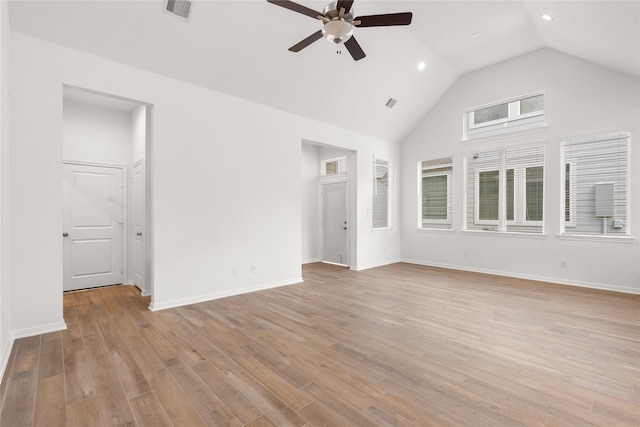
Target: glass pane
[(510, 197), (491, 113), (534, 193), (529, 105), (567, 192), (434, 197), (488, 187), (336, 166)]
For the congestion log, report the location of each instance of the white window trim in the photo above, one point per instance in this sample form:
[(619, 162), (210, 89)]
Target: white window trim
[(519, 215), (323, 166), (515, 122), (432, 173), (570, 235), (390, 184)]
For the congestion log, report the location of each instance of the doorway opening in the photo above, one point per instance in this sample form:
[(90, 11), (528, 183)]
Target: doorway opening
[(328, 206), (107, 218)]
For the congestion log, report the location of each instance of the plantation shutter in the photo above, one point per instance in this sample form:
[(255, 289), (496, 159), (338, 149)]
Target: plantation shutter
[(596, 188), (380, 211)]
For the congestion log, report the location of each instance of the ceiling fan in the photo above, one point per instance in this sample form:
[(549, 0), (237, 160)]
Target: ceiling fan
[(338, 23)]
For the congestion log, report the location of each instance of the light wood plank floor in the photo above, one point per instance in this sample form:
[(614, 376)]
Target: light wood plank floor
[(400, 345)]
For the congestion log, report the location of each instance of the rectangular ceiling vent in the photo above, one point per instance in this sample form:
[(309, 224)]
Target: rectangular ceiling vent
[(391, 102), (179, 8)]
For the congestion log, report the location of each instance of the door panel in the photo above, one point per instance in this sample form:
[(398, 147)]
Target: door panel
[(93, 224), (137, 216), (334, 223)]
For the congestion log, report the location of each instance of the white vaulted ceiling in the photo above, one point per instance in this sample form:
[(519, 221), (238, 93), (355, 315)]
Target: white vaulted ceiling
[(240, 48)]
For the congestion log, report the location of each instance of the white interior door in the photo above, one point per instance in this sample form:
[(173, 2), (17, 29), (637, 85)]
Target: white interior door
[(92, 226), (334, 223), (137, 217)]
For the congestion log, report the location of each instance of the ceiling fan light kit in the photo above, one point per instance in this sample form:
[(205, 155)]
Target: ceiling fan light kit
[(339, 24)]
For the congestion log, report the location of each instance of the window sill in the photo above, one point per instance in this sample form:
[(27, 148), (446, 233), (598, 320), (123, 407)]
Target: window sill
[(508, 234), (587, 238), (504, 135), (437, 230), (373, 230)]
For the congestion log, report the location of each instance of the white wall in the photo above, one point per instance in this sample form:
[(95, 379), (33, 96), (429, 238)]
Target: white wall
[(96, 134), (139, 135), (6, 339), (226, 183), (310, 203), (581, 99)]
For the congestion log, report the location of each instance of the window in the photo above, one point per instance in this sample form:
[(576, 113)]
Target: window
[(596, 188), (434, 193), (381, 217), (334, 166), (505, 190), (523, 113)]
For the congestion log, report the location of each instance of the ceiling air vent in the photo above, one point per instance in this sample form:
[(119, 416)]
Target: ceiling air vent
[(180, 8), (391, 102)]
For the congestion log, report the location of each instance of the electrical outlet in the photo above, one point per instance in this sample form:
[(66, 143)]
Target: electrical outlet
[(235, 271), (253, 269)]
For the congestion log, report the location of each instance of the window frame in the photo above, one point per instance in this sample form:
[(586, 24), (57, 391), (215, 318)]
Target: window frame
[(514, 121), (325, 162), (571, 229), (426, 173), (519, 182), (389, 166)]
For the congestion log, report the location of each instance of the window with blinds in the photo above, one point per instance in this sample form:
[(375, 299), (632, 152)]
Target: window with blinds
[(505, 190), (434, 193), (595, 178), (381, 217)]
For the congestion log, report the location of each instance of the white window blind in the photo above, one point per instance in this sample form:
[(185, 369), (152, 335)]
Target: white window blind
[(505, 190), (434, 193), (381, 194), (596, 187)]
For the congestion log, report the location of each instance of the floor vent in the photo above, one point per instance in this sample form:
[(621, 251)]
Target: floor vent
[(180, 8)]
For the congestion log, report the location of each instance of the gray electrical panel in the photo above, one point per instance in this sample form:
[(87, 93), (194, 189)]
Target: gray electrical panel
[(604, 200)]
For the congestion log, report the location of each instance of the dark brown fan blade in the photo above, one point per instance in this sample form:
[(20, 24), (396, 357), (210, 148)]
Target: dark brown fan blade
[(306, 42), (386, 20), (296, 8), (354, 49), (345, 4)]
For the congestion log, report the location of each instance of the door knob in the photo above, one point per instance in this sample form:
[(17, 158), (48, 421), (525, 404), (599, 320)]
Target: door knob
[(344, 228), (138, 234), (65, 234)]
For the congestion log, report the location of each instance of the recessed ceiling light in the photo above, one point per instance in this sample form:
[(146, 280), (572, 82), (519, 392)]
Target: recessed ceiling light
[(474, 35), (422, 66), (547, 17)]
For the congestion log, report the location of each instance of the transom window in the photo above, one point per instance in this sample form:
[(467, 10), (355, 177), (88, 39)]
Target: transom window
[(505, 190), (504, 117), (334, 166)]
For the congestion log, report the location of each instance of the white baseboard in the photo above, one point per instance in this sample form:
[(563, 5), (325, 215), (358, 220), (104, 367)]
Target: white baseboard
[(310, 261), (376, 264), (154, 306), (40, 329), (555, 280)]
